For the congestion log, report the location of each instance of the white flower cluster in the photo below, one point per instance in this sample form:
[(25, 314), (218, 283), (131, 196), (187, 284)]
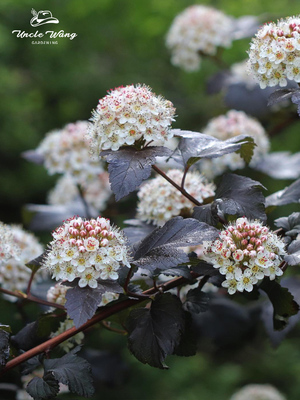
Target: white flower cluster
[(14, 275), (128, 114), (245, 253), (67, 151), (57, 294), (86, 249), (8, 247), (68, 344), (159, 200), (258, 392), (274, 54), (96, 191), (226, 126), (197, 30)]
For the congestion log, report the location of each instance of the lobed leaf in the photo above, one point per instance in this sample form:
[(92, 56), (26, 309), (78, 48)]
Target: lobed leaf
[(293, 256), (235, 195), (280, 95), (290, 194), (154, 333), (45, 388), (4, 345), (290, 224), (128, 167), (284, 305), (196, 301), (280, 165), (82, 303), (37, 262), (187, 345), (73, 371), (194, 146), (161, 248)]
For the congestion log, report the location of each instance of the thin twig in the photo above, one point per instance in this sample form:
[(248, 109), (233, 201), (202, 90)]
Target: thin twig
[(84, 202), (110, 328), (184, 176), (100, 316), (30, 282), (181, 190), (30, 297)]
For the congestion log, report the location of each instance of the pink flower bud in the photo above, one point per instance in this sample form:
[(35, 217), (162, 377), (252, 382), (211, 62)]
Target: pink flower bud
[(244, 242), (250, 247), (104, 233), (83, 233), (72, 241), (82, 249), (104, 242), (246, 252), (258, 242), (252, 254)]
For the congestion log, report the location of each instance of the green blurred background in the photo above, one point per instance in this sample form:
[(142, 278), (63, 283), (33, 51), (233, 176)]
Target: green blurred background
[(43, 87)]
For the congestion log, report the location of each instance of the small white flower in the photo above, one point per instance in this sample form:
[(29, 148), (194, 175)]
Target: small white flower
[(89, 278)]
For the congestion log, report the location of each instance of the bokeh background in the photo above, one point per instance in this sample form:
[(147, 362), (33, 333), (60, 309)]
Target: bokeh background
[(43, 87)]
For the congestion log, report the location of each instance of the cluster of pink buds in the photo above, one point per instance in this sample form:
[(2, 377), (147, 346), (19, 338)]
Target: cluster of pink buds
[(245, 253), (86, 249)]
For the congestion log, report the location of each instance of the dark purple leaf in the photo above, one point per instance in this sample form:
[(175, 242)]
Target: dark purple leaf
[(128, 167), (45, 388), (161, 248), (290, 194), (82, 303), (280, 165), (280, 95), (73, 371), (154, 333), (194, 146)]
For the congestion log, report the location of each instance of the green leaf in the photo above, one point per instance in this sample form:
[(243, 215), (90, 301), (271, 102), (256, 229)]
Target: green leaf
[(196, 301), (247, 149), (154, 333), (45, 388), (36, 263), (73, 371), (282, 300)]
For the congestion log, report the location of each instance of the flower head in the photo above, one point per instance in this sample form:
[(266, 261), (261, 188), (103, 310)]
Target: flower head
[(258, 392), (86, 249), (8, 247), (226, 126), (128, 114), (274, 54), (198, 29), (67, 151), (159, 201), (245, 253), (96, 191), (14, 274)]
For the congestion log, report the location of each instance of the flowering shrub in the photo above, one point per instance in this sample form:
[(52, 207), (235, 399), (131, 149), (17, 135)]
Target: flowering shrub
[(159, 201), (245, 253), (86, 249), (130, 114), (197, 30), (164, 275), (226, 126), (275, 53)]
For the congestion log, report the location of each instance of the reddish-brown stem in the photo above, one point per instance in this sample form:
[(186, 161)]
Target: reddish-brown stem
[(181, 190), (30, 282), (184, 176), (110, 328), (30, 297), (100, 316)]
